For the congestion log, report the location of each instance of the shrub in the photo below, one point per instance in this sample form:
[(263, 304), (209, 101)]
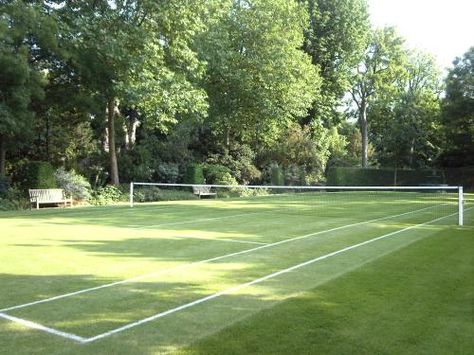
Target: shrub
[(294, 175), (277, 177), (239, 161), (14, 199), (194, 174), (107, 195), (74, 185), (37, 175), (247, 192), (153, 194), (219, 175), (168, 172)]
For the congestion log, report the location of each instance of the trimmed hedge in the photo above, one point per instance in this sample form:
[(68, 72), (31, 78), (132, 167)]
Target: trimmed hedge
[(38, 175), (194, 174), (277, 176), (381, 177)]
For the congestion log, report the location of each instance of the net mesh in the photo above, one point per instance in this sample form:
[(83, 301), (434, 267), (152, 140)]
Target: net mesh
[(425, 203)]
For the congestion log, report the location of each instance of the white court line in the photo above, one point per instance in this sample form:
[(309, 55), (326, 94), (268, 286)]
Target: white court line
[(207, 298), (197, 220), (218, 239), (37, 326), (185, 266), (256, 281)]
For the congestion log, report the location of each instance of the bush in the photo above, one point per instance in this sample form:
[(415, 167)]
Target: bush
[(37, 175), (168, 172), (295, 175), (107, 195), (74, 185), (386, 176), (194, 174), (153, 194), (239, 160), (247, 192), (218, 174), (277, 177), (14, 199)]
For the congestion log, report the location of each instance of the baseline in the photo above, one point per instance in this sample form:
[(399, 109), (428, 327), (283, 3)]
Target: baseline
[(33, 325)]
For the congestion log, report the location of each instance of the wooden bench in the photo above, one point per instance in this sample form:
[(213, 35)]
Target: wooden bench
[(203, 191), (44, 196)]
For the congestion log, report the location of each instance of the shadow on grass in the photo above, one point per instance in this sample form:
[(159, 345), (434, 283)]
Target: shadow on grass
[(364, 312)]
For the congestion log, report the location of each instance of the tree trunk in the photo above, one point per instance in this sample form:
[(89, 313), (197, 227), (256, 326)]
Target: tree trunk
[(364, 133), (3, 154), (114, 175)]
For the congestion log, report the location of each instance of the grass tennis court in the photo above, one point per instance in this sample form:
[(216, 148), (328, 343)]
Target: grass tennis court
[(281, 274)]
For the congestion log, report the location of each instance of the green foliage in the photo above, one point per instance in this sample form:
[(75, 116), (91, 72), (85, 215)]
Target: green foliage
[(26, 36), (4, 185), (194, 174), (458, 112), (254, 192), (385, 177), (359, 176), (14, 199), (405, 122), (277, 176), (381, 66), (154, 194), (239, 160), (295, 175), (107, 195), (258, 79), (37, 175), (218, 174), (168, 172), (303, 152), (137, 164), (335, 38), (237, 85), (74, 185)]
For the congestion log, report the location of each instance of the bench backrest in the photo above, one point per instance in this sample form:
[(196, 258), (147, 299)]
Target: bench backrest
[(46, 194), (201, 189)]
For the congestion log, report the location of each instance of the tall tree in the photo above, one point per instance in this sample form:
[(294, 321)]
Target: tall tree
[(458, 112), (27, 36), (258, 80), (335, 38), (381, 66), (133, 53), (405, 123)]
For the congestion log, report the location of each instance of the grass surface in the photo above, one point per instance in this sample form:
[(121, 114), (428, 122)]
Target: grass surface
[(410, 291)]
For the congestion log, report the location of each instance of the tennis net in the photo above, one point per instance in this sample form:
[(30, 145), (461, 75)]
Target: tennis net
[(325, 201)]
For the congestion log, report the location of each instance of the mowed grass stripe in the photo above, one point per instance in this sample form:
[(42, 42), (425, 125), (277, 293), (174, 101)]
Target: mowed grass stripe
[(415, 300), (146, 246), (140, 299), (159, 246), (175, 211)]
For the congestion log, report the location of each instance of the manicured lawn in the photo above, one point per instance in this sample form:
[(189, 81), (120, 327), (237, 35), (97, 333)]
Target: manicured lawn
[(253, 275)]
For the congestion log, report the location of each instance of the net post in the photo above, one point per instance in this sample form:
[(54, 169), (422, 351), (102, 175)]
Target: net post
[(131, 194), (460, 206)]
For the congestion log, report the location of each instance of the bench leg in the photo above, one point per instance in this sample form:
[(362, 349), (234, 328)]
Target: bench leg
[(37, 205)]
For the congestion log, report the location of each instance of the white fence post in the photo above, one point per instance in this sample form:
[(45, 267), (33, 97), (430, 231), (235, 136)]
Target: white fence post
[(460, 206), (131, 194)]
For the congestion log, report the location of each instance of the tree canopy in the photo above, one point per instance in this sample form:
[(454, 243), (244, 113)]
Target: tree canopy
[(126, 90)]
